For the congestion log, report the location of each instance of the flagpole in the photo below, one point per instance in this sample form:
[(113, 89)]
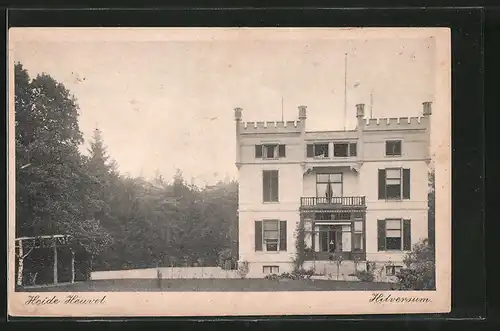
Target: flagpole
[(282, 117), (345, 92), (371, 104)]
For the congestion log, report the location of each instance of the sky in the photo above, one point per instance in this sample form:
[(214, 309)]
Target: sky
[(164, 98)]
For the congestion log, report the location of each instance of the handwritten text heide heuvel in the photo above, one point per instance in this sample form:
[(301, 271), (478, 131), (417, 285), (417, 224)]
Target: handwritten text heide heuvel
[(68, 299)]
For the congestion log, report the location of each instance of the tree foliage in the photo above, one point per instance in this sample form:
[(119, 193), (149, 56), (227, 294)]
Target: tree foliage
[(420, 268), (170, 224), (431, 198), (121, 222), (51, 177)]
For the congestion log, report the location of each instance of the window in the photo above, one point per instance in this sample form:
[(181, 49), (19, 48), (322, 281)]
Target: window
[(392, 270), (323, 216), (270, 235), (328, 185), (344, 149), (319, 150), (270, 269), (339, 216), (393, 148), (394, 235), (353, 149), (270, 184), (332, 238), (358, 236), (394, 184), (270, 151), (340, 150)]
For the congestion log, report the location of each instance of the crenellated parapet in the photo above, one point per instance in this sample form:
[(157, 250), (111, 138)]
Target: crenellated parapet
[(271, 127), (396, 123), (265, 127)]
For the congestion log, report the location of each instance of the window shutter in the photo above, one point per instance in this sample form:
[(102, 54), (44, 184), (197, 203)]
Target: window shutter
[(381, 184), (258, 151), (266, 185), (353, 149), (406, 184), (407, 235), (381, 234), (282, 235), (310, 150), (397, 147), (274, 185), (258, 235), (282, 151)]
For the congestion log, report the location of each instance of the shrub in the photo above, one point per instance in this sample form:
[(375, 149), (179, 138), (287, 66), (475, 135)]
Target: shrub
[(370, 266), (243, 269), (304, 274), (272, 277), (357, 260), (225, 258), (296, 274), (365, 275), (287, 275), (420, 268)]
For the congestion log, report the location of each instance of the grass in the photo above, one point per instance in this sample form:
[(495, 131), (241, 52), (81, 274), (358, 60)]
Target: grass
[(213, 285)]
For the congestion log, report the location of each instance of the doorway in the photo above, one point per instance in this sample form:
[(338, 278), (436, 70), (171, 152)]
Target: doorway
[(330, 239)]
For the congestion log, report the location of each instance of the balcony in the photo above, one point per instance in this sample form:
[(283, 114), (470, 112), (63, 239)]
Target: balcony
[(333, 202)]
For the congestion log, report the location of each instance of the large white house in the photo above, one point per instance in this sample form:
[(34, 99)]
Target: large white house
[(359, 194)]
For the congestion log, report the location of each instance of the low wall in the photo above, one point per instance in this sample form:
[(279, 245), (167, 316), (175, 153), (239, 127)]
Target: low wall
[(347, 268), (167, 273)]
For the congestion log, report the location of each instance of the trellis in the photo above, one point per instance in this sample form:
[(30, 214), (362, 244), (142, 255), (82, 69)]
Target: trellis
[(25, 245)]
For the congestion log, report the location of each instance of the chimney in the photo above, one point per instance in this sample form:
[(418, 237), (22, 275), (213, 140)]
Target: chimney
[(427, 108), (237, 114), (237, 119), (360, 114), (302, 112), (360, 110)]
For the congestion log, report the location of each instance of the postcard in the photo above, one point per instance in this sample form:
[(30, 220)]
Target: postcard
[(229, 171)]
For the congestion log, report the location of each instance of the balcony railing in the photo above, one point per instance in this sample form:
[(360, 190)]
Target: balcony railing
[(333, 201)]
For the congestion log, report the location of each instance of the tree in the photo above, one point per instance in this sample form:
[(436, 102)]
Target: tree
[(431, 198), (105, 176), (420, 268), (50, 172), (120, 221)]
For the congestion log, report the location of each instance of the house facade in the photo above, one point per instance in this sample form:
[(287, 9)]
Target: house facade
[(358, 195)]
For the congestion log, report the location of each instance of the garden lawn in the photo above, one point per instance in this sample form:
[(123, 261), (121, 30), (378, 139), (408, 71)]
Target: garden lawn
[(207, 285)]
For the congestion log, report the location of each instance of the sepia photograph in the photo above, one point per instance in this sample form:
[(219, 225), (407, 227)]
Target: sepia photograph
[(205, 171)]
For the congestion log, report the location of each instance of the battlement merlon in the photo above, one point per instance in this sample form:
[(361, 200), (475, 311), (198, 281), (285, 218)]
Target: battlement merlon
[(264, 127), (395, 123)]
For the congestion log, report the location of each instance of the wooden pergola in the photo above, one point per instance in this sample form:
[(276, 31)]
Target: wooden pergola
[(25, 245)]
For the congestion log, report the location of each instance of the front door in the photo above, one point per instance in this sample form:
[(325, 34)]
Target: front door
[(331, 240)]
